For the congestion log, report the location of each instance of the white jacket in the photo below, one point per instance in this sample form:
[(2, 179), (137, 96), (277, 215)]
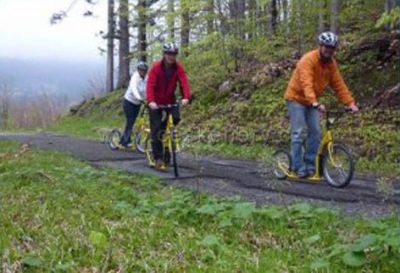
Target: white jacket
[(136, 92)]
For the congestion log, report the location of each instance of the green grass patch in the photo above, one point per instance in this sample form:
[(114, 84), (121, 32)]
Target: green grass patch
[(61, 215), (86, 127), (230, 150)]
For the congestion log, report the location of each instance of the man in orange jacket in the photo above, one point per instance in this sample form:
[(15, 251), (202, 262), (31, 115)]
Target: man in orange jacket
[(314, 72)]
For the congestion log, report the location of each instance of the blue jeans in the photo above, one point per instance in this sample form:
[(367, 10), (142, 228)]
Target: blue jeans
[(302, 116)]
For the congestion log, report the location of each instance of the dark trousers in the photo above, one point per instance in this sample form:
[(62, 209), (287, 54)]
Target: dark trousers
[(131, 112), (157, 127)]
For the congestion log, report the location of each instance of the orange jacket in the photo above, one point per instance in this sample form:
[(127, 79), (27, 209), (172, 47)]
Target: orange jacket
[(311, 77)]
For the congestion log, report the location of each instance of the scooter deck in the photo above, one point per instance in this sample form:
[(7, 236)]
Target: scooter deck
[(122, 147), (312, 179)]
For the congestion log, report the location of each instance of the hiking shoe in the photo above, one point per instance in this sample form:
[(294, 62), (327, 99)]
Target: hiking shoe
[(167, 158), (302, 174), (126, 145), (160, 166), (311, 173)]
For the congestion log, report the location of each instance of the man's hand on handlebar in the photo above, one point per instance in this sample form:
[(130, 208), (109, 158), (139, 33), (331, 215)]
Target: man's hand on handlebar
[(319, 106), (353, 107), (184, 102), (153, 105)]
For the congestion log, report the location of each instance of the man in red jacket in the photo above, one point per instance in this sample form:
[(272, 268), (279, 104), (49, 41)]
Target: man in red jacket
[(162, 81)]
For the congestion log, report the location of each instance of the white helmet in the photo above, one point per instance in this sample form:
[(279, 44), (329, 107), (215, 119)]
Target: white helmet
[(142, 65), (170, 48), (328, 38)]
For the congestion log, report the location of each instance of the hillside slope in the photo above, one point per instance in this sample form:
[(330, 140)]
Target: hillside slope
[(243, 112)]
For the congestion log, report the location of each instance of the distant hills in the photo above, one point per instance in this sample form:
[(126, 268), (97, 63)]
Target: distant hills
[(62, 79)]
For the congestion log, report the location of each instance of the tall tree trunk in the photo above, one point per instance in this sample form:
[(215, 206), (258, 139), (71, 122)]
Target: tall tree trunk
[(210, 16), (273, 19), (142, 35), (265, 13), (261, 25), (232, 15), (171, 20), (335, 7), (110, 47), (252, 13), (237, 11), (6, 94), (123, 75), (241, 18), (299, 26), (322, 7), (223, 25), (285, 17), (185, 26)]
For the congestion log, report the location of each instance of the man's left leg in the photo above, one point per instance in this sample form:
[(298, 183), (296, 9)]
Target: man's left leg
[(176, 116), (156, 128), (175, 113), (313, 138)]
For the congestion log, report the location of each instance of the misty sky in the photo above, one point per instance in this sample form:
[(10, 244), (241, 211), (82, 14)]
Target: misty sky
[(25, 30)]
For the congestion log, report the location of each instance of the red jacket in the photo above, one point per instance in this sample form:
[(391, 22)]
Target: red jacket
[(162, 91)]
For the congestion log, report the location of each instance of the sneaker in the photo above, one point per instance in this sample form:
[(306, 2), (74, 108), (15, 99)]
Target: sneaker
[(302, 174), (129, 145), (311, 173), (167, 158), (126, 145), (160, 165)]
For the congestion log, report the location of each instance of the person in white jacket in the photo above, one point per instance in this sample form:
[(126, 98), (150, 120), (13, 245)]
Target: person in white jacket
[(133, 98)]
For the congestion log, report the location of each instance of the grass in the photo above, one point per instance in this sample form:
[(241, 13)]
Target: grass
[(62, 215), (86, 127)]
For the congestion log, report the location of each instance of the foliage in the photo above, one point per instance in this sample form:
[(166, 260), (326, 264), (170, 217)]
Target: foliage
[(70, 217), (391, 18)]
